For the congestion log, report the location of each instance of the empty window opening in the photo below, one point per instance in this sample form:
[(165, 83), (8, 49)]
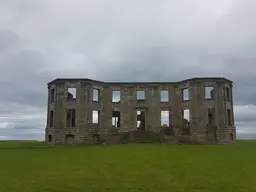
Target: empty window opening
[(211, 116), (186, 117), (95, 94), (227, 94), (52, 95), (116, 118), (116, 96), (51, 118), (140, 95), (186, 114), (165, 118), (141, 118), (71, 118), (229, 117), (209, 92), (95, 116), (185, 94), (71, 93), (164, 96), (49, 138)]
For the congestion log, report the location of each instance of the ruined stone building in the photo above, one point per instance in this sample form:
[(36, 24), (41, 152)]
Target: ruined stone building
[(198, 110)]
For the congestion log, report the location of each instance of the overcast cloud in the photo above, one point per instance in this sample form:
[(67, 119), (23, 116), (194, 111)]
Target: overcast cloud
[(123, 40)]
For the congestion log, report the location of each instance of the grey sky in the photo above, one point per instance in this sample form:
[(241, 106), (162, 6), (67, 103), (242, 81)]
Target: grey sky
[(125, 40)]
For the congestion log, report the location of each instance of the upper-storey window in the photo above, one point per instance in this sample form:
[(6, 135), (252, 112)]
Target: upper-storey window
[(140, 95), (185, 94), (52, 95), (228, 94), (116, 96), (164, 94), (95, 95), (71, 93), (209, 92)]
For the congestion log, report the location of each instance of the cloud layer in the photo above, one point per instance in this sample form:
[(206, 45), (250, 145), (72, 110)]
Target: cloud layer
[(121, 40)]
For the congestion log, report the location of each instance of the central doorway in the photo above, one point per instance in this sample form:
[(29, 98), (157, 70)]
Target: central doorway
[(141, 119)]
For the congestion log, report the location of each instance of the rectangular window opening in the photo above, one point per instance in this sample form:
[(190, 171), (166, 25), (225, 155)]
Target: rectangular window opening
[(141, 118), (185, 94), (165, 118), (140, 95), (116, 96), (51, 118), (186, 117), (164, 96), (116, 119), (71, 118), (95, 116), (227, 94), (229, 117), (71, 93), (95, 94), (52, 95), (209, 92)]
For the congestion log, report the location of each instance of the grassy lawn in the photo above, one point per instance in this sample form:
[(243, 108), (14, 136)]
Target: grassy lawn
[(33, 166)]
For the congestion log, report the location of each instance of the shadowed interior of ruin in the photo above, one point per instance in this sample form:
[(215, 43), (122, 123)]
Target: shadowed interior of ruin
[(196, 111)]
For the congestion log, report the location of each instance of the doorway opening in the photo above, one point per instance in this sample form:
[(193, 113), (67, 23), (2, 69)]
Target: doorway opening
[(49, 138), (141, 119)]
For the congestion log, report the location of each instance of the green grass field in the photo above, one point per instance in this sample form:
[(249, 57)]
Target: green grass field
[(33, 166)]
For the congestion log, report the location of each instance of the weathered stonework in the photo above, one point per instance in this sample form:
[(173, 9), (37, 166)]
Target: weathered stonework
[(70, 120)]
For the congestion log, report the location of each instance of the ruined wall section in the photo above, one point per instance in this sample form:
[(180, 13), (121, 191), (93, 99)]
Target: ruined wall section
[(150, 105), (219, 130), (82, 106), (126, 108), (106, 111), (128, 105), (166, 105), (55, 106), (226, 129), (94, 103), (201, 107), (51, 105), (72, 104), (62, 131), (232, 135), (154, 107), (59, 120), (181, 103), (221, 107), (197, 108)]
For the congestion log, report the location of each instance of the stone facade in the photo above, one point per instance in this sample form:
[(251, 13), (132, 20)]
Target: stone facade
[(107, 111)]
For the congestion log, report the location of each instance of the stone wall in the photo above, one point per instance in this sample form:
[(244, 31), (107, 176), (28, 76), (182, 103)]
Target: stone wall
[(211, 119)]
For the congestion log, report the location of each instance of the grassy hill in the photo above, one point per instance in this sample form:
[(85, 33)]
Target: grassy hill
[(27, 166)]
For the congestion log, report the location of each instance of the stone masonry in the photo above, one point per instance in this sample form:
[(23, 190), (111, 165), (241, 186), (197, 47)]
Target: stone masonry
[(198, 110)]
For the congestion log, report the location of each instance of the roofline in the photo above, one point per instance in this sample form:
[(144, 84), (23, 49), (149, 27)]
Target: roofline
[(58, 80)]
